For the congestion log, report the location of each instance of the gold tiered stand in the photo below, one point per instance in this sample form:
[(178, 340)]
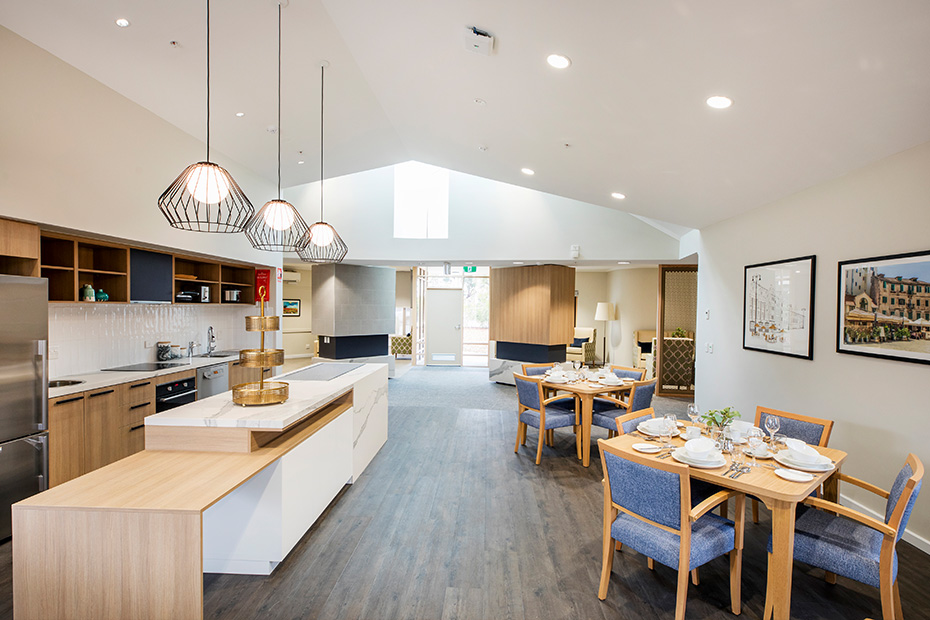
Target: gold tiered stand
[(261, 392)]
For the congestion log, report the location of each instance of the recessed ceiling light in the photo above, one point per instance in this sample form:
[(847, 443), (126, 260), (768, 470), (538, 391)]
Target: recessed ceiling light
[(301, 161), (618, 195), (623, 262), (559, 61), (518, 262), (240, 114), (122, 22), (482, 148), (528, 171), (719, 102)]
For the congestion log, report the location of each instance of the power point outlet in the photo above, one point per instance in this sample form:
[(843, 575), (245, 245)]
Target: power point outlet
[(710, 347), (53, 353), (307, 347), (707, 315)]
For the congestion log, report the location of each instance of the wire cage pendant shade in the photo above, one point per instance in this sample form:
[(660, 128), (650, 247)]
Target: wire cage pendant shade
[(324, 243), (205, 197), (277, 226)]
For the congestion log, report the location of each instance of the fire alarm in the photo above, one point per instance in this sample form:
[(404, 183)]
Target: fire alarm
[(478, 41)]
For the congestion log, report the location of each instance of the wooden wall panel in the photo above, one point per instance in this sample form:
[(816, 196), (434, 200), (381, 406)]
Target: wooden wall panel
[(532, 304)]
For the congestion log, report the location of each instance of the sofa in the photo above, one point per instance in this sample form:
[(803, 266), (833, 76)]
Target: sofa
[(585, 352)]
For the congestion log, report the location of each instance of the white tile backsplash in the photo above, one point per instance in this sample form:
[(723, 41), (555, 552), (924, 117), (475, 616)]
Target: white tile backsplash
[(94, 336)]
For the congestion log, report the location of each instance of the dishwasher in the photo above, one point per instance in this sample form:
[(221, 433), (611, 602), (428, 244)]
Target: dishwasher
[(212, 380)]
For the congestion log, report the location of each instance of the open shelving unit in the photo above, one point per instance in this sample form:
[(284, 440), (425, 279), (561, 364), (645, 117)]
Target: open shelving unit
[(192, 274), (242, 279), (70, 263)]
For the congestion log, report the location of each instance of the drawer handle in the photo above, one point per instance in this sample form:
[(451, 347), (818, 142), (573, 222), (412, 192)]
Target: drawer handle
[(132, 387), (135, 428), (101, 393), (140, 406), (69, 400)]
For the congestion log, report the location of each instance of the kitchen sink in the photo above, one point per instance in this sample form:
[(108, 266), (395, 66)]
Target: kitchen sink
[(220, 353), (63, 383)]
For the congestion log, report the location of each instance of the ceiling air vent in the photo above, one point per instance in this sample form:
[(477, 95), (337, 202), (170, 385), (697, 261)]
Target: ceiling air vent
[(478, 41)]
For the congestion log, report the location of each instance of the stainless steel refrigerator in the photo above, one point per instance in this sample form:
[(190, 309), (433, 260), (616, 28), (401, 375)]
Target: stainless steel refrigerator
[(23, 392)]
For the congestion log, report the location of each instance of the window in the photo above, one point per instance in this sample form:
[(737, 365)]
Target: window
[(892, 301), (884, 300), (421, 201)]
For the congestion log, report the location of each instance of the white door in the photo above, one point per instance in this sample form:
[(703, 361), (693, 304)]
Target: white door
[(444, 310)]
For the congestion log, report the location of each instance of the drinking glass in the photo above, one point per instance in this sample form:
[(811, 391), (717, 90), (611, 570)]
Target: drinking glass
[(671, 425), (576, 365), (779, 443), (738, 457), (694, 413), (772, 424), (754, 439)]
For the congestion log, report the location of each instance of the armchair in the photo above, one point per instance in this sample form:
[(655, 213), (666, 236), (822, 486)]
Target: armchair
[(585, 351)]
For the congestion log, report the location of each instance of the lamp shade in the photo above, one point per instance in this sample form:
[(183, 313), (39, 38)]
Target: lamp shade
[(605, 312)]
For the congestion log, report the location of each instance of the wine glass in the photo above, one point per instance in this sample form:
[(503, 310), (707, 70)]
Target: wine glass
[(576, 365), (671, 425), (772, 424), (754, 439), (694, 413)]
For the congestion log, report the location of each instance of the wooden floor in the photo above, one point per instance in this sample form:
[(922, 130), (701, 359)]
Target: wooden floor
[(448, 522)]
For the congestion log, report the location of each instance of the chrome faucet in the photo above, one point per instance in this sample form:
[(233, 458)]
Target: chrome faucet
[(190, 348), (211, 340)]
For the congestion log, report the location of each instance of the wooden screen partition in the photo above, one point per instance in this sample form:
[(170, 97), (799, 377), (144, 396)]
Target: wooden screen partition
[(533, 304), (677, 311)]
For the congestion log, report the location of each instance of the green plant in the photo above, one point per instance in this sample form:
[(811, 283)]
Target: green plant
[(720, 417), (679, 333), (903, 334)]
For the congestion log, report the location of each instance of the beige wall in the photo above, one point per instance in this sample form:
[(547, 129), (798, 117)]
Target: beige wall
[(298, 340), (592, 288), (403, 289), (634, 292), (879, 406)]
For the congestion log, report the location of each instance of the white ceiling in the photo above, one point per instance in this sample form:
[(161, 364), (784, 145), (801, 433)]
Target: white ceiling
[(821, 87)]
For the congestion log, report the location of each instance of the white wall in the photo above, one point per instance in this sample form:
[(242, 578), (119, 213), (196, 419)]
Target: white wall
[(879, 406), (488, 220), (634, 292), (298, 340), (592, 288)]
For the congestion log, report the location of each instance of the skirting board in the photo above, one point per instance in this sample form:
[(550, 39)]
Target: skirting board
[(915, 539), (298, 356)]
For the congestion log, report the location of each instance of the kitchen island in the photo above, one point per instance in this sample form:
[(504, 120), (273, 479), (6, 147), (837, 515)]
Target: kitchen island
[(220, 488)]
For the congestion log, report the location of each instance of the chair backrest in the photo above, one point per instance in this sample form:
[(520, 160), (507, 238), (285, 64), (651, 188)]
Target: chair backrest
[(641, 394), (628, 422), (588, 333), (657, 491), (531, 370), (903, 494), (815, 431), (529, 391), (625, 372)]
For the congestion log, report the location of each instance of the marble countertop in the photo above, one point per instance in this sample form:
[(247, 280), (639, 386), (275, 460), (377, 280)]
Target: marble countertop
[(101, 379), (304, 398)]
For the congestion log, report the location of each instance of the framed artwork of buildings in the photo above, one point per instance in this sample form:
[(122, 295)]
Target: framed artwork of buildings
[(884, 307), (778, 307)]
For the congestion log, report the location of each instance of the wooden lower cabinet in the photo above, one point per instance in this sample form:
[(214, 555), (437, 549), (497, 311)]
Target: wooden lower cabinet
[(132, 439), (65, 438), (102, 423)]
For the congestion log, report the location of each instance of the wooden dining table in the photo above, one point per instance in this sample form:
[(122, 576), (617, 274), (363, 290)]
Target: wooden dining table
[(586, 391), (779, 495)]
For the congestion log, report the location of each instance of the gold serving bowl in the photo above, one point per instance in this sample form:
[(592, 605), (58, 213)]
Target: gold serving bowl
[(261, 358), (272, 393), (262, 323)]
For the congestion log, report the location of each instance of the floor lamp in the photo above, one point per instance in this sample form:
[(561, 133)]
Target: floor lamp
[(605, 311)]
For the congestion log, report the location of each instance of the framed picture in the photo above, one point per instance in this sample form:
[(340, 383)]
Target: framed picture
[(291, 307), (884, 307), (778, 307)]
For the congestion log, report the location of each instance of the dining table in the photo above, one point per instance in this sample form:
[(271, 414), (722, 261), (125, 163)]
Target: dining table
[(586, 390), (780, 496)]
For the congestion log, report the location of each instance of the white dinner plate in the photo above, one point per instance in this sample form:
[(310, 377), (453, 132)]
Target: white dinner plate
[(609, 382), (646, 431), (648, 448), (794, 476), (554, 380), (681, 455), (765, 455), (825, 464)]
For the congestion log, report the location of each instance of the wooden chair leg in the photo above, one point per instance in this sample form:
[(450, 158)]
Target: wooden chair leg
[(695, 578), (755, 510), (887, 595), (578, 445), (898, 613), (724, 508), (767, 614), (523, 436), (516, 445), (650, 564), (681, 596), (830, 578), (736, 580), (607, 564), (542, 440), (551, 437), (619, 546)]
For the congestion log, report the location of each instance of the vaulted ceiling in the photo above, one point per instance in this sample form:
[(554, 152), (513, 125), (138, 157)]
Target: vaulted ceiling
[(820, 87)]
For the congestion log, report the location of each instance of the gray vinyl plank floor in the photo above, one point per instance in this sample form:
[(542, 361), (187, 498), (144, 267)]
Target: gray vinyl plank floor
[(448, 523)]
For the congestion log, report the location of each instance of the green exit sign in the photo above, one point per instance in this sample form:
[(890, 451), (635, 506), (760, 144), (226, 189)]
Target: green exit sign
[(469, 269)]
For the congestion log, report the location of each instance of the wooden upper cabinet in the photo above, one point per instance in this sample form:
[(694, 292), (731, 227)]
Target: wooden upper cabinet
[(19, 248), (532, 304)]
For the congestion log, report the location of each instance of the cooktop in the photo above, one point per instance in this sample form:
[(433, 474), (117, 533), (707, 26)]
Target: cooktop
[(147, 366)]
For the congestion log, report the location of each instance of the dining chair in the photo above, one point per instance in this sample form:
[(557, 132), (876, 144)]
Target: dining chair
[(626, 372), (849, 543), (545, 414), (647, 507), (814, 431), (531, 370), (606, 408), (628, 422)]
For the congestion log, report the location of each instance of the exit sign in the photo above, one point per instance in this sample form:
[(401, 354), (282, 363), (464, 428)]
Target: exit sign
[(469, 269)]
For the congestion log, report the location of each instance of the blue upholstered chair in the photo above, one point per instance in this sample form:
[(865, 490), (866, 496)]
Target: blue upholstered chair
[(627, 422), (607, 408), (531, 370), (626, 372), (546, 414), (647, 507), (815, 431), (855, 545)]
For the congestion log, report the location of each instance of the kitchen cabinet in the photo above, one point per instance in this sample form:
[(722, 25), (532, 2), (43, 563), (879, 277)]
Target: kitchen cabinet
[(65, 438), (69, 263), (137, 400), (151, 276), (19, 248), (102, 423)]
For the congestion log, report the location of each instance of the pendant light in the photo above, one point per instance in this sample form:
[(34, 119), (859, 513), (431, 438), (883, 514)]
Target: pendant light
[(278, 226), (205, 198), (325, 246)]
